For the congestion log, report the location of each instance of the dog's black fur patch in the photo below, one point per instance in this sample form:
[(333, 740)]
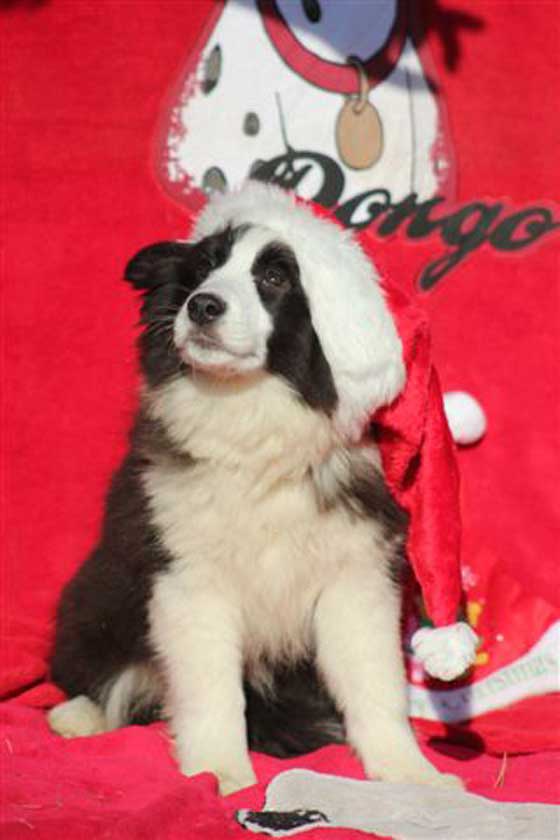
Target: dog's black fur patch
[(102, 622), (368, 495), (296, 717), (294, 350)]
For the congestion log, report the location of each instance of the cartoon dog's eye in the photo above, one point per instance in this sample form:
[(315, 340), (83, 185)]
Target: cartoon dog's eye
[(312, 10)]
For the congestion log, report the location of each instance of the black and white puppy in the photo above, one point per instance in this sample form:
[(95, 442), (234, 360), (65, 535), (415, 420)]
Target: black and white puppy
[(244, 582)]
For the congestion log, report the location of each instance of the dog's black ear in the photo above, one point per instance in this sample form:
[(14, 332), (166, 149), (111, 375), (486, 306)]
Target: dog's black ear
[(156, 264)]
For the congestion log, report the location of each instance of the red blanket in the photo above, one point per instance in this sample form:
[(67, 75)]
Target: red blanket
[(125, 784), (85, 86)]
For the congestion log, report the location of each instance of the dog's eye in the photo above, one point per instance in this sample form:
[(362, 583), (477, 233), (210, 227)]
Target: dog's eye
[(204, 265), (274, 278)]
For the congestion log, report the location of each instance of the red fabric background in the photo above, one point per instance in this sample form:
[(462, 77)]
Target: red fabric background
[(83, 87), (125, 785)]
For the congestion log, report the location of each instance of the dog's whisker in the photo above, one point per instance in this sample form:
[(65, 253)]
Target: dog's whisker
[(160, 326)]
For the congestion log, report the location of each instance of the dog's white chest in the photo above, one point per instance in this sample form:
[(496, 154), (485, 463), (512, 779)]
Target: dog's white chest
[(268, 553)]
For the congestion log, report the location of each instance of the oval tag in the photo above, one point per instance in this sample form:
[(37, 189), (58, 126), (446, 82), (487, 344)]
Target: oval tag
[(359, 134)]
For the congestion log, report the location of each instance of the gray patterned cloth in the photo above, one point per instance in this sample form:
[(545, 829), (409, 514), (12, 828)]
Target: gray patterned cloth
[(299, 800)]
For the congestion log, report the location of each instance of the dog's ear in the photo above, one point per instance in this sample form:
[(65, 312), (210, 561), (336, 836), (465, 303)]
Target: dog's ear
[(157, 264)]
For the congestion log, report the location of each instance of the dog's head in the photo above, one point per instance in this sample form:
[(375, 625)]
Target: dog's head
[(266, 286)]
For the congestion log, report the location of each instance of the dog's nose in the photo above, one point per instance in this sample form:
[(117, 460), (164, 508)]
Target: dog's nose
[(204, 308)]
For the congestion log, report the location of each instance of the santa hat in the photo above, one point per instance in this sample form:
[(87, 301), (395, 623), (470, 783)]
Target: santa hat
[(378, 348), (418, 455)]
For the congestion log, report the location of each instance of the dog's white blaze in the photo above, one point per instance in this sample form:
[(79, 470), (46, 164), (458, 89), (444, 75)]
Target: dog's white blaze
[(257, 569), (244, 329)]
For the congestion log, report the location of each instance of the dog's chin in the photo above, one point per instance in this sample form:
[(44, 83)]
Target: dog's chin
[(215, 359)]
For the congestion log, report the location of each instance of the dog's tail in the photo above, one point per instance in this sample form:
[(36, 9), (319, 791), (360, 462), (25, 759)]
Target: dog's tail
[(292, 716)]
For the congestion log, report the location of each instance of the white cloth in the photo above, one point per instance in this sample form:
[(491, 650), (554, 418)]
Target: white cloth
[(299, 800)]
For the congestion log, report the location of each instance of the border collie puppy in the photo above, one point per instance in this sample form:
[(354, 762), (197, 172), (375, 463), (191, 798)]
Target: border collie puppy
[(244, 583)]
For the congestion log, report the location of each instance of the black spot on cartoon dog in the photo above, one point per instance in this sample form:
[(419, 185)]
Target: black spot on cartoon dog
[(212, 70), (255, 166), (251, 124), (214, 180)]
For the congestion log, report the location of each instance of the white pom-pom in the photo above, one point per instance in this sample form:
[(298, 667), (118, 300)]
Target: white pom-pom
[(465, 417), (445, 652)]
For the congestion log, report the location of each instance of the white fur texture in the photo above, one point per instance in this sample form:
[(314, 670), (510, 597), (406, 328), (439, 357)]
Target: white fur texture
[(77, 718), (446, 652), (465, 416), (348, 308), (258, 569)]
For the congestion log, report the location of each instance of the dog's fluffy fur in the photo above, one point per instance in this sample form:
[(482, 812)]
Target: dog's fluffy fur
[(245, 583)]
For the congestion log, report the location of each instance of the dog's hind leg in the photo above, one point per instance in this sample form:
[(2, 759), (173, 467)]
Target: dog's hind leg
[(77, 718)]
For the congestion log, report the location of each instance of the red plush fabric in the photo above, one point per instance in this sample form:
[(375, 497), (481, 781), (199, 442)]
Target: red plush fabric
[(420, 466), (84, 86), (124, 784)]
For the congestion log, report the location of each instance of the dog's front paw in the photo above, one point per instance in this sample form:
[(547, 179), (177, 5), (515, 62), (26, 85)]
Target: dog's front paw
[(231, 776), (232, 783)]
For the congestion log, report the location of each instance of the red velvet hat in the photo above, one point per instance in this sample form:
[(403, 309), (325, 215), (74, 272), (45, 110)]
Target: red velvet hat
[(418, 455)]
